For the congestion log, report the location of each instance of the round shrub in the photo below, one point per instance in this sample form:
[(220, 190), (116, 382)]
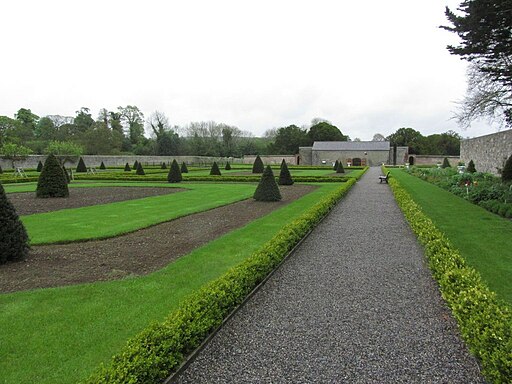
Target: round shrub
[(446, 163), (127, 168), (39, 166), (228, 166), (52, 180), (339, 168), (174, 175), (267, 189), (81, 166), (335, 166), (258, 166), (184, 168), (102, 166), (506, 174), (471, 167), (140, 170), (215, 171), (164, 166), (13, 236), (285, 178)]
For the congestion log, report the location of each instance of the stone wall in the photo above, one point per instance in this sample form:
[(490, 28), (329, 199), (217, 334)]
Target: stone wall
[(432, 160), (271, 159), (488, 152)]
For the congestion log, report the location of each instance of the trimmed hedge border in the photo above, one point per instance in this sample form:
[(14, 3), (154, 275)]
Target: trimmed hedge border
[(157, 351), (485, 322)]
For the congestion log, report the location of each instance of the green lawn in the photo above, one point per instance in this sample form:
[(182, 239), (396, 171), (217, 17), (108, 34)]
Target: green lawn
[(484, 239), (60, 335), (108, 220)]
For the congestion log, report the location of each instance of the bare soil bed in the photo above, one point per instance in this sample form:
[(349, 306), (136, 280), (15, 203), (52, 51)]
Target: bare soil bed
[(137, 253)]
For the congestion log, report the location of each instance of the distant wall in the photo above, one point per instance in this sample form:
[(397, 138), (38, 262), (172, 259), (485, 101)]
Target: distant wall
[(433, 159), (95, 160), (372, 158), (488, 152), (271, 159)]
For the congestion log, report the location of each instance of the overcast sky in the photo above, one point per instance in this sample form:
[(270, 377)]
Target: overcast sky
[(368, 67)]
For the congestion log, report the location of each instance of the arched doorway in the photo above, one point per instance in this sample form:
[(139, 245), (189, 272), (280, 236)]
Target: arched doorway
[(356, 162), (411, 160)]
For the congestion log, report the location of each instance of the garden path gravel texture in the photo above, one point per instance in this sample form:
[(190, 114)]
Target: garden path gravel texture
[(355, 303)]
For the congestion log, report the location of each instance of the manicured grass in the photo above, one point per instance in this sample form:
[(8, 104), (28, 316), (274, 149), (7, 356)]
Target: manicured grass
[(484, 239), (60, 335), (108, 220)]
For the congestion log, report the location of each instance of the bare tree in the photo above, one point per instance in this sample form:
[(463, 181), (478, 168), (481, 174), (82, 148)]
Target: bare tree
[(157, 124), (378, 137)]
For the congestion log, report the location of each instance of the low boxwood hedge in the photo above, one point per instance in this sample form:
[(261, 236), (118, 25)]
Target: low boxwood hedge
[(157, 351), (485, 322)]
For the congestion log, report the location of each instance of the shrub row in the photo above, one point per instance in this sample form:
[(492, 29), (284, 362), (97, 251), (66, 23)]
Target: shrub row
[(157, 351), (485, 321), (498, 207), (12, 180)]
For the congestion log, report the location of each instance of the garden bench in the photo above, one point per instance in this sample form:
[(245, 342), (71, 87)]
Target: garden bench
[(91, 170), (19, 172), (384, 178)]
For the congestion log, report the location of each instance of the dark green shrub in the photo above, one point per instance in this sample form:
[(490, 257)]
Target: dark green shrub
[(13, 236), (184, 168), (164, 166), (135, 165), (339, 168), (285, 178), (1, 170), (102, 166), (140, 170), (127, 168), (506, 174), (81, 166), (335, 166), (228, 166), (258, 166), (39, 166), (471, 167), (52, 180), (446, 163), (215, 171), (267, 189), (174, 175)]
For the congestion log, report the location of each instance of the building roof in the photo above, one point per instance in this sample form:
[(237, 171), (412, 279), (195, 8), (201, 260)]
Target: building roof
[(351, 146)]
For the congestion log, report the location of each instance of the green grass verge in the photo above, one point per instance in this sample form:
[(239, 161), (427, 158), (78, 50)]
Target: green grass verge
[(108, 220), (485, 322), (484, 239), (60, 335)]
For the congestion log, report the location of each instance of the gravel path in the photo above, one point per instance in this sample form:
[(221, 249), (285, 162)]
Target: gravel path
[(354, 304)]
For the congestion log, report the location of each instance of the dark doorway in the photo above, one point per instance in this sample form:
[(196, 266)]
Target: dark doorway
[(298, 160), (411, 160), (356, 162)]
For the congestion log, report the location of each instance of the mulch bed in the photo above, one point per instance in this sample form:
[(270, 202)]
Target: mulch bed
[(137, 253)]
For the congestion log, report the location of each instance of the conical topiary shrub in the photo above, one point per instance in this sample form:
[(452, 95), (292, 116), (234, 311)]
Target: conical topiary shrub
[(446, 163), (127, 168), (267, 189), (164, 166), (506, 174), (335, 166), (339, 168), (140, 170), (52, 180), (285, 178), (174, 175), (1, 170), (471, 167), (13, 236), (228, 166), (215, 171), (39, 166), (81, 166), (258, 166), (102, 166), (184, 168), (135, 165)]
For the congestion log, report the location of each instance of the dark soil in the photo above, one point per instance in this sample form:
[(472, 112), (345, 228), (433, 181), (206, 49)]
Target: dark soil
[(137, 253)]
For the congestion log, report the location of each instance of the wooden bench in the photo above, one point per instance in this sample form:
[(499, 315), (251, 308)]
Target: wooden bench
[(384, 178)]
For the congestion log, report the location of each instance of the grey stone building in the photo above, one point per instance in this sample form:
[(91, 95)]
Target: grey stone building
[(352, 153)]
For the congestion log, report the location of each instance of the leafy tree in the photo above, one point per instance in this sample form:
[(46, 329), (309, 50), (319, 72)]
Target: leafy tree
[(133, 118), (127, 168), (167, 144), (228, 166), (82, 122), (335, 166), (267, 189), (81, 166), (184, 168), (407, 137), (13, 236), (506, 174), (339, 168), (174, 175), (140, 170), (64, 150), (324, 131), (285, 178), (39, 166), (46, 129), (52, 180), (215, 171), (484, 29), (471, 167), (378, 137), (14, 152), (289, 139), (102, 166), (258, 166), (8, 127), (446, 163)]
